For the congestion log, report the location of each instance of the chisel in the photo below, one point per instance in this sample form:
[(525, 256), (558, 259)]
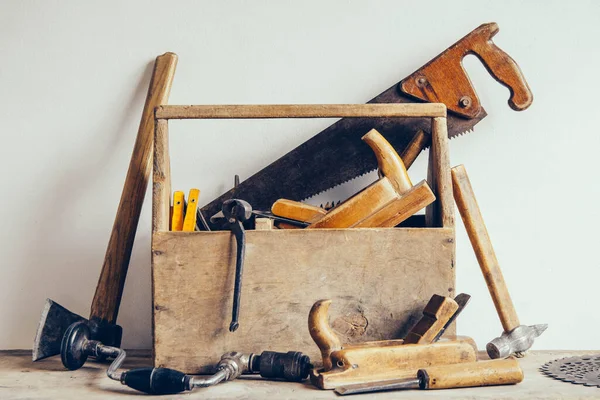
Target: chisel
[(481, 373)]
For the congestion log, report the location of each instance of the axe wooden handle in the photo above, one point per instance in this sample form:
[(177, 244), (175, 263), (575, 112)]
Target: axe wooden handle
[(105, 305), (482, 245)]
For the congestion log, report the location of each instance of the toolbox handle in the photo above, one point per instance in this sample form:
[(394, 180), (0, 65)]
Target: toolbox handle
[(438, 214)]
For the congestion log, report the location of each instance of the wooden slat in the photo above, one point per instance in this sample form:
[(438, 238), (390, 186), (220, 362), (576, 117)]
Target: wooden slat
[(300, 111), (441, 212), (379, 280), (161, 183), (107, 298)]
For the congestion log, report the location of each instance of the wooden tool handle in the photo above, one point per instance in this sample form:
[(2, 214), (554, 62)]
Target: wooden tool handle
[(388, 161), (482, 245), (414, 148), (445, 80), (502, 67), (480, 373), (321, 332), (105, 305), (189, 221), (296, 210)]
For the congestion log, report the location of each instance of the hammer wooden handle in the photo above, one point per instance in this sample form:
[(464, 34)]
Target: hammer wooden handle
[(480, 373), (482, 245), (105, 305)]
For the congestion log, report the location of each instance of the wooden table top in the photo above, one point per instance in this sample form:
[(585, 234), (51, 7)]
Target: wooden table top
[(20, 378)]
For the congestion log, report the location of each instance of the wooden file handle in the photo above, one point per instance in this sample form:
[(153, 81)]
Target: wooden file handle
[(105, 305), (482, 245), (296, 210), (480, 373)]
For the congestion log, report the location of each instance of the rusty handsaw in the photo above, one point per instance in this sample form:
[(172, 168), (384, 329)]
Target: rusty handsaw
[(337, 154)]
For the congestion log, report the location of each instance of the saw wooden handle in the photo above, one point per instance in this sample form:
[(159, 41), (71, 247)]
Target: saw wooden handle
[(105, 305), (480, 373), (502, 67), (445, 80), (482, 245)]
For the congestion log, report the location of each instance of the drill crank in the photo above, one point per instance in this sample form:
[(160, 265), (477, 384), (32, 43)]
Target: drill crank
[(237, 211)]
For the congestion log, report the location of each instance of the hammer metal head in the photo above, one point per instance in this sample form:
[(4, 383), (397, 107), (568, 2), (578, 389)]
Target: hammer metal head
[(53, 324), (518, 340)]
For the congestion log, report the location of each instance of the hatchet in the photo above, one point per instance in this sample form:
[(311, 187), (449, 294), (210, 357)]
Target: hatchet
[(53, 327)]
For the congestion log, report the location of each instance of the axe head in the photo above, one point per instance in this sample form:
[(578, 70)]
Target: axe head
[(53, 324)]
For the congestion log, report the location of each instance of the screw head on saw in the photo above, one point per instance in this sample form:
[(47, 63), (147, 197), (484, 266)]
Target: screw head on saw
[(583, 370)]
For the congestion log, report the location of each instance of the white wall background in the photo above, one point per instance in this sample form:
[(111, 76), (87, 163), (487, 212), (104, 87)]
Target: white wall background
[(73, 76)]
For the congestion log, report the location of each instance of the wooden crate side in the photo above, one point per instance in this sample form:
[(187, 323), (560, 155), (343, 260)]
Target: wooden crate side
[(379, 280)]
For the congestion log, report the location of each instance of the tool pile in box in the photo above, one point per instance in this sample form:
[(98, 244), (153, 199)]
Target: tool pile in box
[(288, 255)]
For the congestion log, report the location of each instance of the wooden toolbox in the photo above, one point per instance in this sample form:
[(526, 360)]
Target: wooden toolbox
[(378, 278)]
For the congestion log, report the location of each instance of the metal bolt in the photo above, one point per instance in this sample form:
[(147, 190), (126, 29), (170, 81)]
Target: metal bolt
[(421, 81), (465, 102)]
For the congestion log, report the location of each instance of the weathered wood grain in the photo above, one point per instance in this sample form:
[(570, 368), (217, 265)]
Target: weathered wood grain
[(107, 298), (437, 312), (301, 111), (483, 248), (444, 80), (481, 373), (379, 280), (441, 212), (161, 178)]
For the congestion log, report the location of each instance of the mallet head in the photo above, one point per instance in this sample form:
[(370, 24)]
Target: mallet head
[(517, 341)]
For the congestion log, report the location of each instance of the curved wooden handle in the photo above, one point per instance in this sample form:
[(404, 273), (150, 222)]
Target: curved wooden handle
[(388, 161), (444, 80), (502, 67), (105, 305), (482, 246), (480, 373), (321, 332)]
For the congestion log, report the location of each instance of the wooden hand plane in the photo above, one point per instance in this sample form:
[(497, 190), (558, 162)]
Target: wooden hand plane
[(384, 203), (377, 361)]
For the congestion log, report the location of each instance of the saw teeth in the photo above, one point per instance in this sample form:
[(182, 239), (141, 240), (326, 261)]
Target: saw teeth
[(339, 184), (358, 176)]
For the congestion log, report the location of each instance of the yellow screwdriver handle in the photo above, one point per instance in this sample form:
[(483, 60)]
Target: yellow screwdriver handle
[(178, 211), (189, 223)]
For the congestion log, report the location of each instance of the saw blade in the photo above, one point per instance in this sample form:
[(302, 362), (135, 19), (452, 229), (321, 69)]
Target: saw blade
[(583, 370), (334, 156)]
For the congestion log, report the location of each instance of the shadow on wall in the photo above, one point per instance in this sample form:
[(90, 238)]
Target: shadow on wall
[(58, 260)]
